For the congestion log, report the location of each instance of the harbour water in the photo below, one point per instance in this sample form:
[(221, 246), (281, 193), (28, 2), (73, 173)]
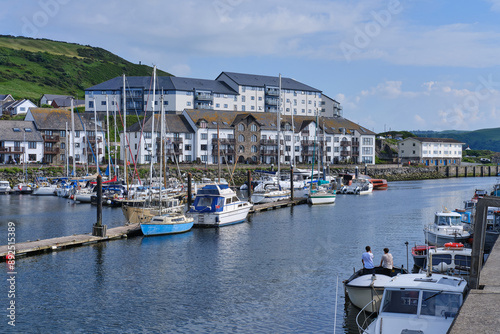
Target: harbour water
[(279, 272)]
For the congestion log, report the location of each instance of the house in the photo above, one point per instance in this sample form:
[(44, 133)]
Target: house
[(18, 107), (20, 142), (430, 151), (58, 140), (49, 98), (66, 102), (205, 135), (5, 99)]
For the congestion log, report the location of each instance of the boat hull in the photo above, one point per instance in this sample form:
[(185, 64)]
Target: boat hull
[(217, 219), (44, 191), (162, 229), (321, 199), (270, 197), (439, 240)]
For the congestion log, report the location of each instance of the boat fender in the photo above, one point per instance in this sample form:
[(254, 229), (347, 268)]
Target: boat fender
[(454, 245)]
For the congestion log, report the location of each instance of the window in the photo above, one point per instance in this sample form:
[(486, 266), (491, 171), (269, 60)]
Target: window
[(77, 145), (241, 127), (62, 133), (187, 158), (16, 130), (225, 105), (241, 149), (32, 144), (146, 135), (253, 127), (165, 103), (63, 157), (103, 103), (188, 103), (203, 147), (367, 141), (217, 105), (243, 98), (188, 136), (27, 129), (241, 138), (204, 136), (187, 147), (254, 148), (32, 157), (253, 138), (77, 134), (63, 146), (252, 98), (204, 158), (91, 104)]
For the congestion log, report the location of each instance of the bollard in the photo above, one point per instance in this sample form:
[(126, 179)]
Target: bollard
[(189, 190), (99, 230), (249, 181), (291, 183)]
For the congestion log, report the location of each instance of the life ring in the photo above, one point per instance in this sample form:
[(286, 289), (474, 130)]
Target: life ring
[(453, 245)]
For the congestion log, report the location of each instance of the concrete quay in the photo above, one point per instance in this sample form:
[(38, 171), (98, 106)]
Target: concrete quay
[(480, 312)]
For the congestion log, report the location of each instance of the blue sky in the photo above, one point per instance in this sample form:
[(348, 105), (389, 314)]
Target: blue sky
[(393, 65)]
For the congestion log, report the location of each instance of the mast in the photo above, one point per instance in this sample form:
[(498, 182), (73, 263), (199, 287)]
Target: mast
[(162, 131), (107, 133), (319, 150), (73, 137), (293, 136), (278, 126), (218, 154), (153, 128), (66, 151), (95, 138), (125, 158), (114, 146)]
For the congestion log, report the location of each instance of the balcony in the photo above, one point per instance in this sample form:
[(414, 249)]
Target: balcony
[(170, 140), (203, 97), (268, 142), (355, 154), (223, 141), (173, 152), (269, 152), (344, 153), (307, 142), (272, 102), (272, 91), (345, 143), (50, 138), (51, 150), (91, 139), (11, 150), (225, 152), (307, 153), (355, 143)]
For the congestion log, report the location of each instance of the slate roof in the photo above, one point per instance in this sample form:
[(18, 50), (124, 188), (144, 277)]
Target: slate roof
[(52, 97), (55, 119), (8, 134), (263, 80), (173, 124), (267, 121), (437, 140), (4, 96), (66, 102), (165, 83)]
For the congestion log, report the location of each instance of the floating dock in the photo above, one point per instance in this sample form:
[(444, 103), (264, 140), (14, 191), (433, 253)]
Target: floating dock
[(277, 205), (76, 240)]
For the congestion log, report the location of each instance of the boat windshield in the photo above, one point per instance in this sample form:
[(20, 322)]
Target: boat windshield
[(448, 220), (440, 304), (400, 301)]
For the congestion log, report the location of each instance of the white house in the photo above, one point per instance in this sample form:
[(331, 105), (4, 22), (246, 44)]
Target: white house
[(430, 151), (20, 142), (20, 107)]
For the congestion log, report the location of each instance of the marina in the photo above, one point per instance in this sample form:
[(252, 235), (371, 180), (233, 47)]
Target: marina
[(275, 272)]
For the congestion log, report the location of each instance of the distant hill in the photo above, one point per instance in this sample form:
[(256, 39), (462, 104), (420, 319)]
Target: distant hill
[(484, 139), (31, 67)]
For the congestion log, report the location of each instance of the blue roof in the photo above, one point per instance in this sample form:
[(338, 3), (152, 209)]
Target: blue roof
[(263, 80)]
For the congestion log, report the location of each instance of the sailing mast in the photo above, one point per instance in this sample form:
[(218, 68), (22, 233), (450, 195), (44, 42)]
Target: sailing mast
[(125, 134), (107, 141), (162, 131), (95, 138), (278, 125), (66, 151), (152, 127), (73, 137)]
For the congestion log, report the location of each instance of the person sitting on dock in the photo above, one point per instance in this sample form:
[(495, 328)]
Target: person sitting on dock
[(367, 260), (386, 262)]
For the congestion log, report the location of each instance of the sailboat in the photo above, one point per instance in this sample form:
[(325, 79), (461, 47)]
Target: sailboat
[(272, 191), (173, 221), (322, 193)]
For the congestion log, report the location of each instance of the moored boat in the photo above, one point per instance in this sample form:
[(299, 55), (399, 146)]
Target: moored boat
[(416, 302), (218, 205), (168, 223), (364, 289), (5, 187), (447, 227), (269, 192), (419, 253)]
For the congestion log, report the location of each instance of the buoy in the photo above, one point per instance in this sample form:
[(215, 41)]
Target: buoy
[(454, 245)]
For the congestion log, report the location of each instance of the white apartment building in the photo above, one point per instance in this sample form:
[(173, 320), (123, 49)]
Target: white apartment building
[(430, 151)]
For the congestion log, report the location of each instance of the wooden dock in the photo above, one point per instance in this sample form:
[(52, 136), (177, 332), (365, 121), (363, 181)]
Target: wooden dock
[(277, 205), (76, 240), (50, 245)]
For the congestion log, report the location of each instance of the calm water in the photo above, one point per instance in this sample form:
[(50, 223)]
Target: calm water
[(276, 273)]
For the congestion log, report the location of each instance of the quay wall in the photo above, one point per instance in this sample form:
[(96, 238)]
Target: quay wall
[(16, 175)]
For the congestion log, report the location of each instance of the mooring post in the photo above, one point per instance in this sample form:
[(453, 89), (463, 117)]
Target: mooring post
[(189, 190), (291, 183), (98, 229), (249, 182)]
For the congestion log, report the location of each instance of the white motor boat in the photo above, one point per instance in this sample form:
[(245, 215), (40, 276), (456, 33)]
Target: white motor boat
[(358, 187), (269, 192), (322, 196), (417, 303), (364, 289), (5, 187), (453, 259), (218, 205), (44, 189), (447, 227)]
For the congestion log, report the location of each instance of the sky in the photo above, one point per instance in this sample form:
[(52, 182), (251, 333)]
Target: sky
[(393, 64)]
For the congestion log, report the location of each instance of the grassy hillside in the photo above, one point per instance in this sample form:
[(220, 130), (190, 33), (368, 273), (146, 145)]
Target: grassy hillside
[(484, 139), (30, 67)]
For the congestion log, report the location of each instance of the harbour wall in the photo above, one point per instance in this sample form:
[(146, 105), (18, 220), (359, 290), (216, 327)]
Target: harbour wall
[(15, 175)]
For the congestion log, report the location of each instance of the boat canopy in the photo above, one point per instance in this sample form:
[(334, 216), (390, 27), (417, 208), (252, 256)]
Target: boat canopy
[(208, 203), (212, 189)]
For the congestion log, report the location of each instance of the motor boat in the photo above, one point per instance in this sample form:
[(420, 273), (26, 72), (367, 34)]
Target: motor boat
[(447, 227)]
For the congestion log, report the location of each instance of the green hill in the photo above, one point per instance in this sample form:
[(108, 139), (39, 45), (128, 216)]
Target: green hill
[(484, 139), (31, 67)]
